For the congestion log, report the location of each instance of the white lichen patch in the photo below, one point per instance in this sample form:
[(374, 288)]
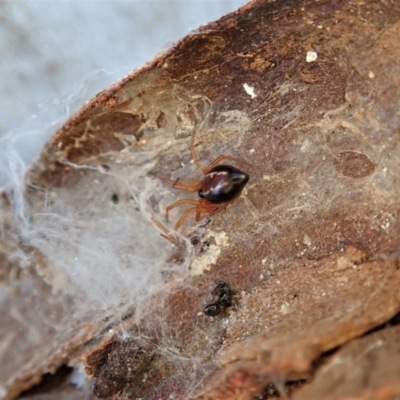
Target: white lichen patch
[(285, 308), (311, 56), (249, 90), (210, 257), (306, 146), (307, 241)]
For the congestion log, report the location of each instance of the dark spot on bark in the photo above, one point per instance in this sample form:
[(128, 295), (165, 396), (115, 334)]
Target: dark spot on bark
[(353, 164)]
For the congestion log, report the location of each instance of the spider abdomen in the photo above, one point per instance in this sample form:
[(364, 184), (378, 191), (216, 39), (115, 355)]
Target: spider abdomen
[(223, 183)]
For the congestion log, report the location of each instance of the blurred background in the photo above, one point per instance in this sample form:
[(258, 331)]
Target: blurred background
[(55, 55)]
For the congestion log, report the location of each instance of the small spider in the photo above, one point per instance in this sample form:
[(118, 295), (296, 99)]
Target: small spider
[(220, 185)]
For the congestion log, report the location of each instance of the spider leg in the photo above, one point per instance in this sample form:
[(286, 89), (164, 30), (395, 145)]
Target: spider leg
[(190, 186), (193, 151), (218, 160), (205, 206), (179, 203), (160, 225), (200, 209), (202, 206), (209, 167), (184, 217), (167, 234)]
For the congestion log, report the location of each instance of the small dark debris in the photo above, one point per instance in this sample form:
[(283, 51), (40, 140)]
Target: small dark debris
[(224, 294), (204, 247), (353, 164), (224, 299), (212, 309), (195, 240), (115, 198), (161, 120)]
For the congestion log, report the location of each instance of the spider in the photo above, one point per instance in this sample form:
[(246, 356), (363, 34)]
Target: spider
[(220, 185)]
